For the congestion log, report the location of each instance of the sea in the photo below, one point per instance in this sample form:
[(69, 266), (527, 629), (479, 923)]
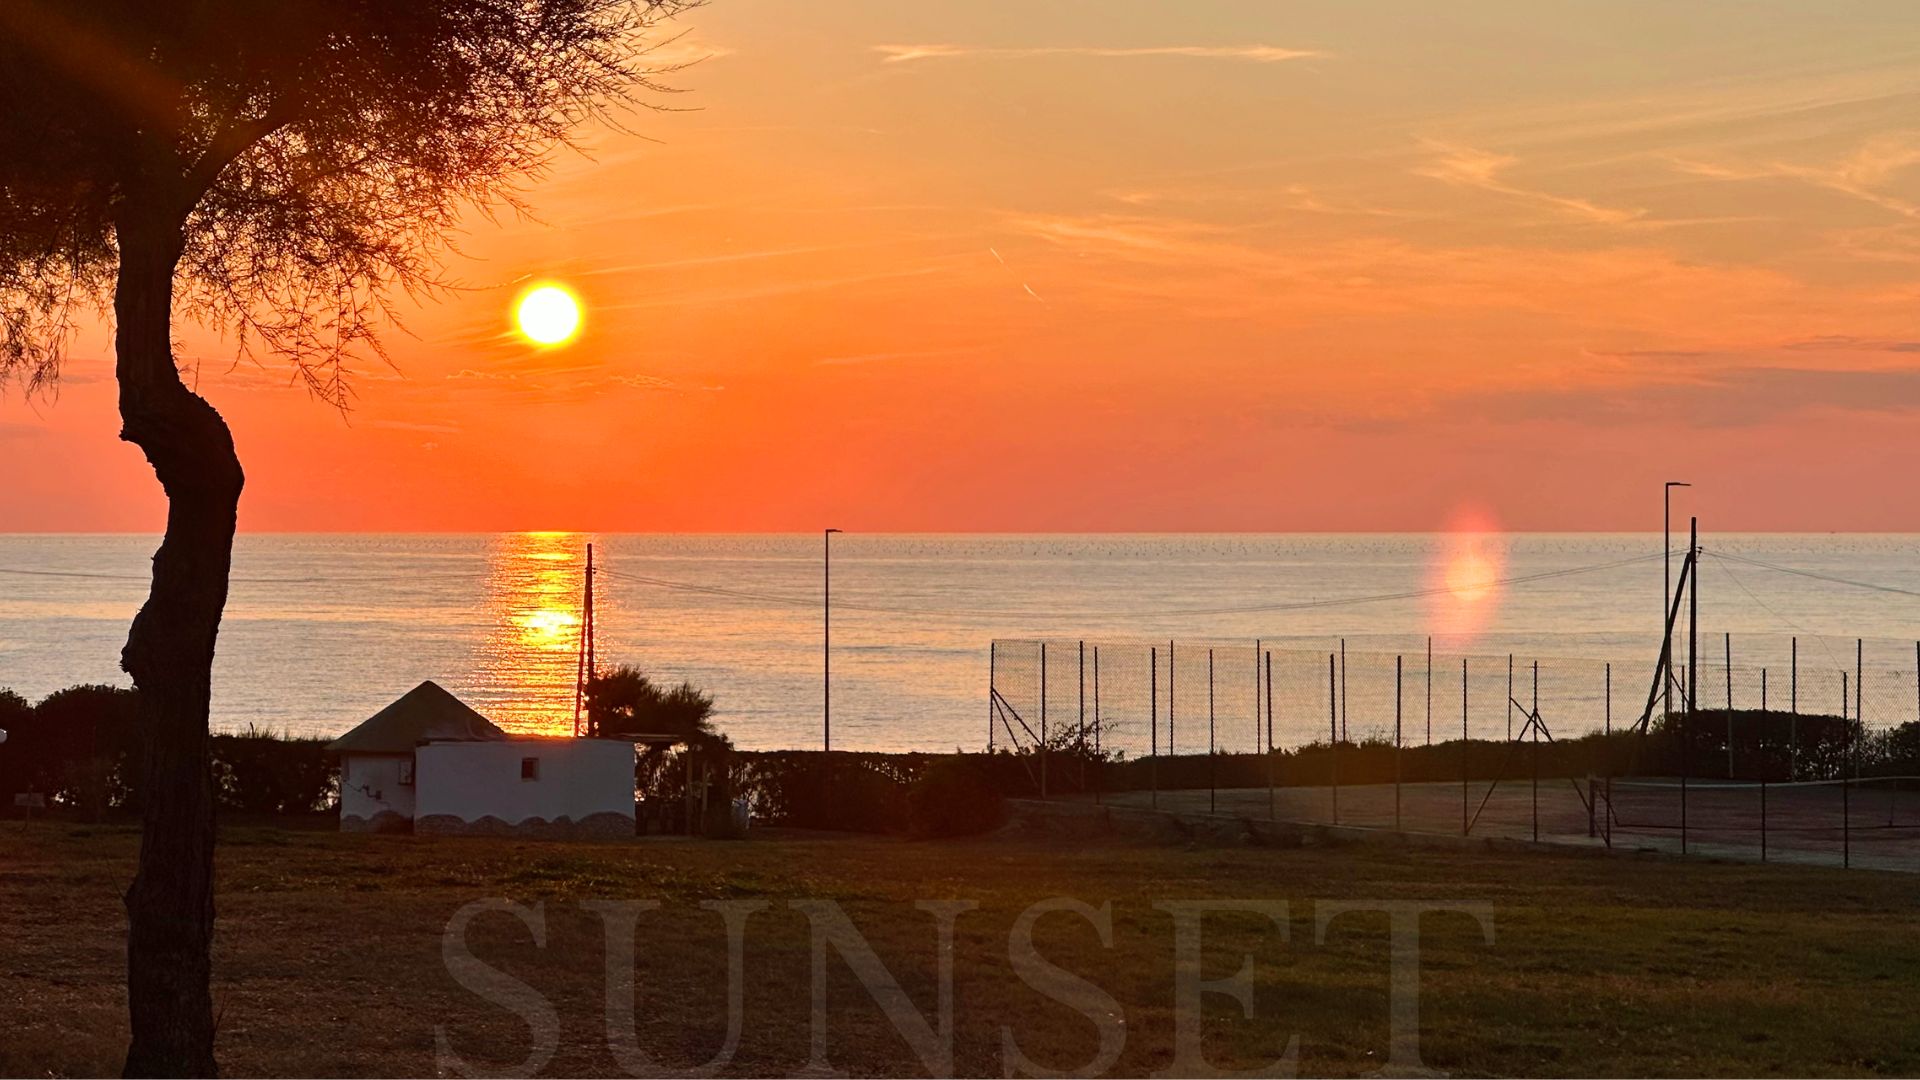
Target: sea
[(935, 640)]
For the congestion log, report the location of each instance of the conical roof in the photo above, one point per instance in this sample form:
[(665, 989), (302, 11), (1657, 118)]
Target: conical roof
[(425, 713)]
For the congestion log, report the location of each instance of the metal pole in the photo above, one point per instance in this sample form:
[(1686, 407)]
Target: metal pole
[(1213, 792), (1256, 695), (1533, 723), (1860, 718), (1509, 697), (1464, 798), (1100, 760), (1080, 736), (1763, 819), (1153, 724), (1430, 685), (1097, 725), (1793, 717), (1043, 720), (1333, 734), (993, 664), (1396, 743), (1272, 808), (1666, 591), (1343, 689), (1171, 666), (580, 666), (826, 639), (1693, 660), (1846, 795), (1730, 769)]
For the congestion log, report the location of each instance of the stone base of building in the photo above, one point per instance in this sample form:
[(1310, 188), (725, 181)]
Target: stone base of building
[(606, 826), (386, 821)]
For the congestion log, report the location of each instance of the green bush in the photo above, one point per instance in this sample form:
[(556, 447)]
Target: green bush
[(264, 773), (954, 797)]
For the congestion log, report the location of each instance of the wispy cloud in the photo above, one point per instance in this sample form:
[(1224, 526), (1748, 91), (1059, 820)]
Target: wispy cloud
[(1470, 167), (1258, 54), (1863, 174)]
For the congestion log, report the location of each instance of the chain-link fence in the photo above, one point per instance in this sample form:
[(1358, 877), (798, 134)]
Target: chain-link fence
[(1790, 761)]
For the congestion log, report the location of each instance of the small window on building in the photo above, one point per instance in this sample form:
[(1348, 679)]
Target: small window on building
[(406, 773), (529, 768)]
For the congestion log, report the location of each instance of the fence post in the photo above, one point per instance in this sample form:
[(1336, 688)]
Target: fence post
[(1509, 697), (1846, 751), (1533, 722), (1464, 762), (1256, 695), (993, 665), (1099, 759), (1343, 689), (1153, 725), (1730, 769), (1272, 809), (1171, 698), (1606, 758), (1916, 652), (1396, 743), (1333, 735), (1080, 738), (1592, 801), (1213, 789), (1043, 720), (1691, 687), (1793, 717)]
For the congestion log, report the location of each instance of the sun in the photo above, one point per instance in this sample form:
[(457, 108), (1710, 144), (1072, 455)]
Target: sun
[(548, 315)]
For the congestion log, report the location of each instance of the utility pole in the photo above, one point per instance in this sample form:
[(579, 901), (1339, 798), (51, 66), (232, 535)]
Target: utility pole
[(584, 674), (1666, 590), (826, 639)]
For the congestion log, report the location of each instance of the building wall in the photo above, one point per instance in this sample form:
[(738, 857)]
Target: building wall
[(582, 786), (372, 798)]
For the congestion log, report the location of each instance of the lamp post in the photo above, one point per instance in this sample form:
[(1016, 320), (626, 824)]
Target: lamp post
[(826, 639), (1666, 591)]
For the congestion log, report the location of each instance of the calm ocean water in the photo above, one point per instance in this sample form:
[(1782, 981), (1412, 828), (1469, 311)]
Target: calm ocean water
[(322, 630)]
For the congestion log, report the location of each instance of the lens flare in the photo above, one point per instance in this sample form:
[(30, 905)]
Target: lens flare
[(1464, 574)]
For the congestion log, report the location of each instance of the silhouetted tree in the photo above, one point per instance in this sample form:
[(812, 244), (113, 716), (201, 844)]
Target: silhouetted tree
[(623, 702), (270, 169)]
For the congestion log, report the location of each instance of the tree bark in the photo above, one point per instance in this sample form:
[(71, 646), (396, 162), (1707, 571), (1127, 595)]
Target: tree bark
[(169, 654)]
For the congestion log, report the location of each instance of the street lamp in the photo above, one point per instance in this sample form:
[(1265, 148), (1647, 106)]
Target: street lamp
[(826, 639), (1666, 591)]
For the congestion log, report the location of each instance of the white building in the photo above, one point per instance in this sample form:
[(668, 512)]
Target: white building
[(428, 763)]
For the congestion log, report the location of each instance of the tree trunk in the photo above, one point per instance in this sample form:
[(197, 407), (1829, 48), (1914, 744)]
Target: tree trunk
[(169, 654)]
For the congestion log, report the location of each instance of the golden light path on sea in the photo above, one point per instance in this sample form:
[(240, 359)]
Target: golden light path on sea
[(531, 655)]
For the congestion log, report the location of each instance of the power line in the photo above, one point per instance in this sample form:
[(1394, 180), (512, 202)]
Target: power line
[(888, 609), (1815, 575), (241, 580), (1300, 605)]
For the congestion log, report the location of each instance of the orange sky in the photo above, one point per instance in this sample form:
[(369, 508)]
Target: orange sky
[(961, 265)]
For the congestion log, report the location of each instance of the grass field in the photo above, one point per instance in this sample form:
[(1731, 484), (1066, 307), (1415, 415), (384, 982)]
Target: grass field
[(329, 955)]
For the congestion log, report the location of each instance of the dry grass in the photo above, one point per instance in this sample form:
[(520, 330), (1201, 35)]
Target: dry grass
[(329, 962)]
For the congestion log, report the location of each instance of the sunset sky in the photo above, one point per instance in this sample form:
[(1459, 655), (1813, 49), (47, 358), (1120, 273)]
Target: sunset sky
[(965, 265)]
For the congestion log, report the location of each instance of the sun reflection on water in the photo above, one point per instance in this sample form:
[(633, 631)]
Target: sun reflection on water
[(530, 657)]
